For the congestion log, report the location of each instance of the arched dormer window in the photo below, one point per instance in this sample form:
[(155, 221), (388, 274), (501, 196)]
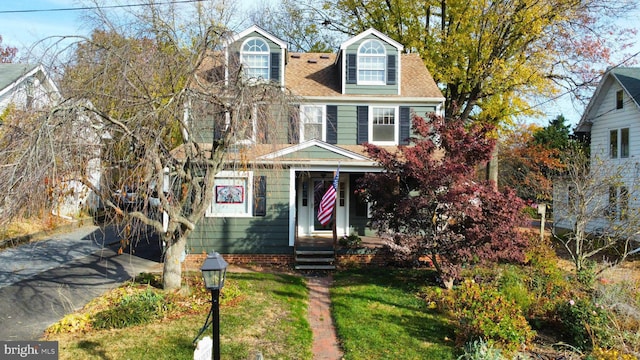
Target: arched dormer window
[(255, 59), (371, 63)]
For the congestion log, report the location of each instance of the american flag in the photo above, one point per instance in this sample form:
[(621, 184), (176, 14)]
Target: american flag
[(328, 201)]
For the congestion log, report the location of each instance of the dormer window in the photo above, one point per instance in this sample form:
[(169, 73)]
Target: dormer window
[(255, 59), (371, 63)]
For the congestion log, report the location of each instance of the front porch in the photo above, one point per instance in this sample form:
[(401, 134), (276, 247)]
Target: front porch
[(319, 252), (326, 241)]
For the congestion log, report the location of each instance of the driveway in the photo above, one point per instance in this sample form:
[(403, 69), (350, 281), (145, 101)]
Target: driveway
[(42, 281)]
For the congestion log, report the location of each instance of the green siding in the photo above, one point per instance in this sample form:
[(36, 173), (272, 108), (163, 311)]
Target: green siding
[(347, 120), (373, 89), (422, 110), (347, 125), (314, 152), (252, 235)]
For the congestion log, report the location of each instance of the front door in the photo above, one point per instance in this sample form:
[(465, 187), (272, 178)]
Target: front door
[(320, 187)]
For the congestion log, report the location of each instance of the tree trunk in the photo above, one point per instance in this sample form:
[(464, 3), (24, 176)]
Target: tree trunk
[(492, 169), (172, 270)]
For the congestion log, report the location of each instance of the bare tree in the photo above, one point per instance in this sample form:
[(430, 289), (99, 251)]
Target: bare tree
[(154, 90), (594, 214)]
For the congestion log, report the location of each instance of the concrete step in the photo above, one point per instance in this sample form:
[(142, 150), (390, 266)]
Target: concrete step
[(314, 252), (316, 259), (315, 267)]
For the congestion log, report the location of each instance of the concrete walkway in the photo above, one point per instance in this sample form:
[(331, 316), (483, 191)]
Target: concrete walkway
[(325, 341)]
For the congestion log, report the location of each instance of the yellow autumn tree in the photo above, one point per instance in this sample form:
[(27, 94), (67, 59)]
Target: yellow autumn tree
[(491, 58)]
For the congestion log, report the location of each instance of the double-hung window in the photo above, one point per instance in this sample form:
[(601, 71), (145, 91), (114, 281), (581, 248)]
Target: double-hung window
[(384, 125), (312, 124), (618, 208), (371, 63), (255, 59), (619, 143)]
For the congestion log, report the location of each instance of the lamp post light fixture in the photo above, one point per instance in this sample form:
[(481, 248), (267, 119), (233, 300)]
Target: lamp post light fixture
[(214, 271)]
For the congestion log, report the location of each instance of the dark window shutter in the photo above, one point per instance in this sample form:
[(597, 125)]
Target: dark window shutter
[(332, 124), (391, 70), (294, 126), (260, 196), (275, 66), (363, 124), (262, 122), (352, 68), (219, 124), (234, 66), (405, 125)]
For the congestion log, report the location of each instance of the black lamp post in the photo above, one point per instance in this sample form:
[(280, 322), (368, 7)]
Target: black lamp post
[(214, 270)]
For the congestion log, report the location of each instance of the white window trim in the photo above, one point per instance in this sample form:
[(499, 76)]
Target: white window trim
[(396, 126), (619, 142), (323, 125), (248, 195), (266, 53), (384, 63)]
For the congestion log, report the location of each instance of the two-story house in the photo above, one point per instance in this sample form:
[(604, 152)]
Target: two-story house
[(611, 125), (364, 93)]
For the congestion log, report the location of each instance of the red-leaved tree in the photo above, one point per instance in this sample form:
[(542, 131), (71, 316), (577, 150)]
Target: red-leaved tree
[(7, 53), (428, 201)]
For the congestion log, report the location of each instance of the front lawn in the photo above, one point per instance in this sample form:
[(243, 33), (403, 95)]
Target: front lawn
[(259, 312), (379, 315)]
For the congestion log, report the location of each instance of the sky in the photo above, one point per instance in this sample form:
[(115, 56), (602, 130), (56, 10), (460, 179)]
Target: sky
[(24, 29)]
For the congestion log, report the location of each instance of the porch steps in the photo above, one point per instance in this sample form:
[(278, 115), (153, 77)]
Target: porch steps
[(315, 259)]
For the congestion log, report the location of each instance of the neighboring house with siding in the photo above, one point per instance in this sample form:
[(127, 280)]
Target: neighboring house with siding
[(365, 93), (26, 86), (28, 89), (611, 125)]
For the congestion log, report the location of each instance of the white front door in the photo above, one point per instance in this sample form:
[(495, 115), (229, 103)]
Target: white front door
[(311, 191)]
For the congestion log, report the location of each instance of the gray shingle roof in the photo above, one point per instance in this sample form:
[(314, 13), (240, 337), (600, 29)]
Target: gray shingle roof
[(9, 73), (629, 78)]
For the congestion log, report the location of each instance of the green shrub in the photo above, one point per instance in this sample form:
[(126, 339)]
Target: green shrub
[(136, 309), (482, 312), (480, 350), (352, 241), (230, 292), (585, 324), (587, 274), (531, 212), (512, 284)]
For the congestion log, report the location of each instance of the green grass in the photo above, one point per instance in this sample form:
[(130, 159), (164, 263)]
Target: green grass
[(266, 313), (378, 315)]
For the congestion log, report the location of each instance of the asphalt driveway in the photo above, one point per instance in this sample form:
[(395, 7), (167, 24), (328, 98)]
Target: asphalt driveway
[(42, 281)]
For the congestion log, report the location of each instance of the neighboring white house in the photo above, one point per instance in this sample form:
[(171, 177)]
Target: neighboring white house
[(26, 86), (611, 124), (29, 87)]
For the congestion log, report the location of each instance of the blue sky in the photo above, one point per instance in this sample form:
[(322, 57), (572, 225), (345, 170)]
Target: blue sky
[(24, 29)]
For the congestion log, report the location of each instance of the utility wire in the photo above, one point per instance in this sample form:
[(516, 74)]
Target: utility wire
[(570, 91), (97, 7)]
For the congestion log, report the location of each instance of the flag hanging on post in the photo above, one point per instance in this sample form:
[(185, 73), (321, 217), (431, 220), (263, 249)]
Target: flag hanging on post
[(325, 210)]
